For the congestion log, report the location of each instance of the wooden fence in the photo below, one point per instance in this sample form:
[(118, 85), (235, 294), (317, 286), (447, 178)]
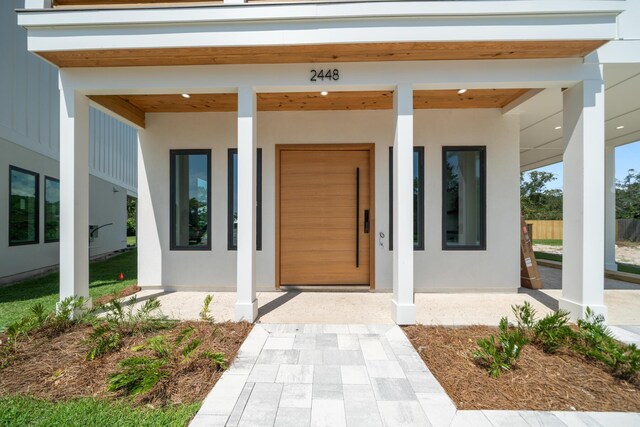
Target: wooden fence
[(546, 230), (627, 230)]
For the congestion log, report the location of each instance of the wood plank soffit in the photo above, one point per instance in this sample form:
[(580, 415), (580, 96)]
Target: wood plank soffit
[(134, 107)]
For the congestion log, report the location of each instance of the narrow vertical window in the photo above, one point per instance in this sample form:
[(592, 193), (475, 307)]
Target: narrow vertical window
[(190, 199), (418, 198), (232, 200), (51, 210), (463, 198), (23, 206)]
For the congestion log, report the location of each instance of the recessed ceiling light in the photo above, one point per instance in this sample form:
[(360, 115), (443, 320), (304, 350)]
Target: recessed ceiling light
[(186, 95), (558, 127), (324, 93), (620, 127), (461, 91)]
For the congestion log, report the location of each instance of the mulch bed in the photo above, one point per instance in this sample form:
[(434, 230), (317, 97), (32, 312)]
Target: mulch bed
[(564, 381), (55, 368), (106, 299)]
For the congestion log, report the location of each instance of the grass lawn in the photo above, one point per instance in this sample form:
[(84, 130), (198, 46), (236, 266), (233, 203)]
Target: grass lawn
[(15, 300), (23, 411), (131, 241), (549, 242), (624, 268), (547, 256)]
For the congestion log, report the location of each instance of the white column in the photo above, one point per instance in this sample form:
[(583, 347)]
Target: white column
[(247, 304), (610, 209), (74, 194), (403, 308), (583, 199)]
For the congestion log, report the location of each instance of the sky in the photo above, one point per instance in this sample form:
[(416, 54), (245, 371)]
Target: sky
[(627, 157)]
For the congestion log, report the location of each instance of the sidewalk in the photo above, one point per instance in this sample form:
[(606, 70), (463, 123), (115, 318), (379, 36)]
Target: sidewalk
[(351, 375)]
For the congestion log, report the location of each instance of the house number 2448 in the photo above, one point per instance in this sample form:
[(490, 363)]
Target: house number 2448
[(329, 74)]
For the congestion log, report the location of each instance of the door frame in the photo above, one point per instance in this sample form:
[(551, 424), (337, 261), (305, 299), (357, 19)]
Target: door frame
[(372, 200)]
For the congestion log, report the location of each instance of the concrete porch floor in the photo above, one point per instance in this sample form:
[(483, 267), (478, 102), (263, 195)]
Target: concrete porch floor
[(622, 299)]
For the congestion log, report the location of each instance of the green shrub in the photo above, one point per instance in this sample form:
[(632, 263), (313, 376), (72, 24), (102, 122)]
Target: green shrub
[(501, 354), (525, 316), (70, 311), (552, 331), (595, 341), (120, 322), (217, 358), (137, 375), (205, 312)]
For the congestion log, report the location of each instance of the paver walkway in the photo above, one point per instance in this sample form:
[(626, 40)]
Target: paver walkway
[(350, 375)]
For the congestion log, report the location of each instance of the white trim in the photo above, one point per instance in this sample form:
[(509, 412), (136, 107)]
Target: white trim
[(424, 75)]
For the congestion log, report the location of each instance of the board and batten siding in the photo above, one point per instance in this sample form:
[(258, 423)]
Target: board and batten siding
[(29, 109)]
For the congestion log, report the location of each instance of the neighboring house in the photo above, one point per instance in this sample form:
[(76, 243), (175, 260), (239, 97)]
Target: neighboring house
[(29, 162), (363, 143)]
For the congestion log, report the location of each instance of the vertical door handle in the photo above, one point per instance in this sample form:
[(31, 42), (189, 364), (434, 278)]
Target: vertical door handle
[(366, 221), (357, 217)]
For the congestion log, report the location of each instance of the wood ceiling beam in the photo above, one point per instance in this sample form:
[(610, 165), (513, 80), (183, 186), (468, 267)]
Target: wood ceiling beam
[(121, 107)]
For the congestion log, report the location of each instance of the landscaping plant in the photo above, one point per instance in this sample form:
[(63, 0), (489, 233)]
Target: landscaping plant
[(594, 340), (139, 374), (120, 321), (205, 313), (501, 353), (552, 331)]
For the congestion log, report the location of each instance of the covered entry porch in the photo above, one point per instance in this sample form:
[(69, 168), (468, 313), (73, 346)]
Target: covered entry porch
[(247, 108)]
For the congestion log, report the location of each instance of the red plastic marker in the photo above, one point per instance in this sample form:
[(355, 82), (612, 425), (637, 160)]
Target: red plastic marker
[(121, 276)]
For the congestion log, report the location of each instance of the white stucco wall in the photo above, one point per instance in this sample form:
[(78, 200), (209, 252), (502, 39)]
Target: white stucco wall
[(105, 206), (496, 268)]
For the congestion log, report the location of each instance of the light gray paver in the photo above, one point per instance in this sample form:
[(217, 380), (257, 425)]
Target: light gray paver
[(295, 374), (238, 409), (392, 389), (355, 375), (327, 374), (327, 392), (505, 418), (403, 413), (296, 396), (470, 418), (263, 373), (439, 408), (293, 417), (202, 420), (576, 419), (262, 407), (625, 335), (541, 419), (327, 413), (384, 369), (279, 343), (617, 419)]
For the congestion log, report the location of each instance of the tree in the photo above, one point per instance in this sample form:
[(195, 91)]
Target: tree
[(628, 196), (131, 216), (538, 202)]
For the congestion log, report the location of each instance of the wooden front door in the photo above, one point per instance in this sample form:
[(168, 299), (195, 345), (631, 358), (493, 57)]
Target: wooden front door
[(325, 215)]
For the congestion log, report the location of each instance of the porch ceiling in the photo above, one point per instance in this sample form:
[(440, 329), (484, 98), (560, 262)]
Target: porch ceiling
[(134, 107), (327, 53)]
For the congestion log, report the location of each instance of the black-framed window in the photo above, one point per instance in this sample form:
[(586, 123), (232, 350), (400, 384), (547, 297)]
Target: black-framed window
[(418, 198), (464, 198), (24, 200), (232, 200), (51, 209), (190, 189)]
